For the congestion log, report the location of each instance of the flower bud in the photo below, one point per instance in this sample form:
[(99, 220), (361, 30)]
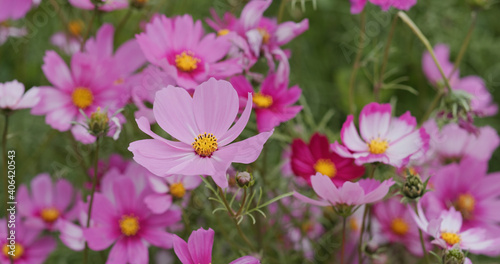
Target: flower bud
[(244, 179), (413, 187), (98, 124), (454, 256)]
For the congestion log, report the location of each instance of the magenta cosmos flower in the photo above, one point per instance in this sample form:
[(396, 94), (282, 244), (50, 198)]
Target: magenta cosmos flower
[(470, 190), (30, 246), (358, 5), (193, 57), (398, 226), (448, 232), (198, 249), (317, 157), (47, 203), (481, 103), (260, 32), (12, 96), (384, 138), (106, 6), (364, 191), (88, 85), (14, 9), (129, 224), (202, 125), (167, 189), (273, 104)]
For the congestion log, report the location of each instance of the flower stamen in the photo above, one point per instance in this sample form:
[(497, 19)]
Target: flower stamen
[(378, 146), (205, 144), (326, 167), (186, 61), (129, 225), (82, 97)]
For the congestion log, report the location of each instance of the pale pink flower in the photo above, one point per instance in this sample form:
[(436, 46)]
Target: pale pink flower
[(107, 5), (12, 96)]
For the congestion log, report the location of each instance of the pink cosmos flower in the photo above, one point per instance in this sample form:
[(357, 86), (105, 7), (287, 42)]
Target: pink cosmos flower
[(14, 9), (88, 85), (125, 61), (193, 57), (468, 188), (452, 143), (69, 44), (115, 161), (398, 225), (167, 189), (30, 246), (358, 5), (273, 103), (202, 125), (364, 191), (144, 86), (48, 203), (447, 231), (384, 138), (198, 249), (12, 96), (482, 102), (317, 157), (107, 5), (260, 32), (126, 221), (7, 31)]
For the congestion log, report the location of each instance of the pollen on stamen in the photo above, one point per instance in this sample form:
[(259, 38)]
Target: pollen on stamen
[(205, 144), (378, 146), (186, 61)]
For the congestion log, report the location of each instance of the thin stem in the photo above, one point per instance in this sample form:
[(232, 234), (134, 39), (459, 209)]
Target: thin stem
[(465, 44), (123, 21), (89, 28), (281, 10), (426, 43), (242, 202), (376, 90), (94, 183), (355, 67), (232, 215), (433, 106), (363, 226), (343, 241)]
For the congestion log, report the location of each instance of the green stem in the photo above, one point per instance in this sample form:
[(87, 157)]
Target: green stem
[(233, 217), (343, 241), (426, 43), (94, 183), (376, 91), (363, 226), (281, 10), (465, 44), (123, 22), (355, 67), (433, 106), (242, 202), (89, 28)]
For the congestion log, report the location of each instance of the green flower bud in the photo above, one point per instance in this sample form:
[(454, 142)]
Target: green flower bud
[(413, 187), (98, 124), (454, 256)]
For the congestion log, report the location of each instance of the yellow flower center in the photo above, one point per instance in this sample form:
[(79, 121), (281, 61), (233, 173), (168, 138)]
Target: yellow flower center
[(378, 146), (205, 144), (177, 189), (465, 204), (50, 214), (353, 224), (325, 167), (223, 32), (399, 226), (14, 254), (262, 100), (129, 225), (186, 61), (75, 27), (450, 238), (265, 35), (82, 97)]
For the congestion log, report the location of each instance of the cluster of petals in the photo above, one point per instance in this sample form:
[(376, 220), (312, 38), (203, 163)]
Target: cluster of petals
[(198, 249), (384, 138), (365, 191)]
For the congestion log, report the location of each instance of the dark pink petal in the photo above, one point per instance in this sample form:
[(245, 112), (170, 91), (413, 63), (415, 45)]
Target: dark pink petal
[(118, 253), (158, 203), (173, 110), (125, 195), (41, 191), (100, 238), (129, 57), (170, 217), (24, 198), (200, 245), (245, 260), (158, 237), (64, 194), (182, 251), (215, 105), (102, 45), (56, 71), (137, 251)]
